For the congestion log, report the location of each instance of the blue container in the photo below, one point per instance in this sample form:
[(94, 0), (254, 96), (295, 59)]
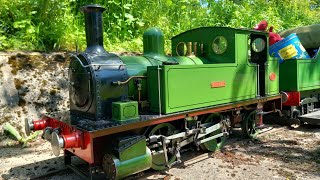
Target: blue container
[(288, 48)]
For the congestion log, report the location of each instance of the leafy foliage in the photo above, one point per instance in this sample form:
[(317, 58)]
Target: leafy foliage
[(58, 24)]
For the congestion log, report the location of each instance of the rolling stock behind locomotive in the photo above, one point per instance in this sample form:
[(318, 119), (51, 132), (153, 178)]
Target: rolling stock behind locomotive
[(131, 113)]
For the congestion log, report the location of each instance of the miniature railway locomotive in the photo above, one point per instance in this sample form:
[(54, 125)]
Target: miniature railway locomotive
[(300, 88), (131, 113)]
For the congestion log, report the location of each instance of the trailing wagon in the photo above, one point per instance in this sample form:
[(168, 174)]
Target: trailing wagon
[(299, 78), (300, 89), (131, 113)]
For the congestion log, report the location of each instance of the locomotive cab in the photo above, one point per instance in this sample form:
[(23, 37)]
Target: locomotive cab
[(258, 54), (217, 45)]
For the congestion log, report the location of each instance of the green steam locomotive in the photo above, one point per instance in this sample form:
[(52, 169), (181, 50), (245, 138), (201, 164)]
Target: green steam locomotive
[(131, 113)]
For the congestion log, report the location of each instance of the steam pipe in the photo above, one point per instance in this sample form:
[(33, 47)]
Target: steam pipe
[(94, 28)]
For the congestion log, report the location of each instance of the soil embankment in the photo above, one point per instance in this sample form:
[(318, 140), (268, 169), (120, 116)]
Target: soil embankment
[(31, 84)]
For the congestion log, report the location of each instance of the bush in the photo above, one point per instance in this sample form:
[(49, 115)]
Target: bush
[(46, 25)]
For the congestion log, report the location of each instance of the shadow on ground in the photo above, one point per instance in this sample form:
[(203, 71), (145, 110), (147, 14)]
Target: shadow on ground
[(45, 169)]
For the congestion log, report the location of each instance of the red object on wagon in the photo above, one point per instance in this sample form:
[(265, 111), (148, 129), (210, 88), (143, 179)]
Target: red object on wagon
[(273, 37)]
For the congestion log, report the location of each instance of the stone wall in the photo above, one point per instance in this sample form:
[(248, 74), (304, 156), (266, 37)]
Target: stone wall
[(31, 84)]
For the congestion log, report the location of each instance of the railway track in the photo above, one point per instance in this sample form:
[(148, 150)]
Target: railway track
[(50, 174)]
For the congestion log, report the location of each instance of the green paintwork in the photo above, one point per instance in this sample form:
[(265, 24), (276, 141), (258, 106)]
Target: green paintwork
[(185, 87), (300, 74), (272, 86), (122, 111), (153, 42), (189, 86), (137, 149), (153, 48), (206, 36), (134, 165), (132, 156), (191, 60), (137, 66), (310, 93)]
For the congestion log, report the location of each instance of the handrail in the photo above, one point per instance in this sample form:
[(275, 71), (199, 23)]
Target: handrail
[(89, 65)]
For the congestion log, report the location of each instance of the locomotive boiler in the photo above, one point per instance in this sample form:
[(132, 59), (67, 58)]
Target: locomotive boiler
[(131, 113)]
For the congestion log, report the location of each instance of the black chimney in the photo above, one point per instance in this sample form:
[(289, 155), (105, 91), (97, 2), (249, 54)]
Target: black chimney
[(94, 30)]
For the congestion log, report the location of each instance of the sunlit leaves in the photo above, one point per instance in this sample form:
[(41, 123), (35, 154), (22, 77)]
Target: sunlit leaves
[(127, 6), (58, 24)]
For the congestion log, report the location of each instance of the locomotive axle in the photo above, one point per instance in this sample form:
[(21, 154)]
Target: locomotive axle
[(162, 145)]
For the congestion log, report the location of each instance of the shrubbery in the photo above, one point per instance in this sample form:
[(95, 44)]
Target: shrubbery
[(46, 25)]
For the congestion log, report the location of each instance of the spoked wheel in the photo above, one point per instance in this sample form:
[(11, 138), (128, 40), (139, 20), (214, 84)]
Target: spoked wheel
[(248, 125), (158, 159), (217, 143)]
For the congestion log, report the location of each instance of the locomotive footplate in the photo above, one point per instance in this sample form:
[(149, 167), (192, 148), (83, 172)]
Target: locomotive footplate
[(104, 127), (311, 118)]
